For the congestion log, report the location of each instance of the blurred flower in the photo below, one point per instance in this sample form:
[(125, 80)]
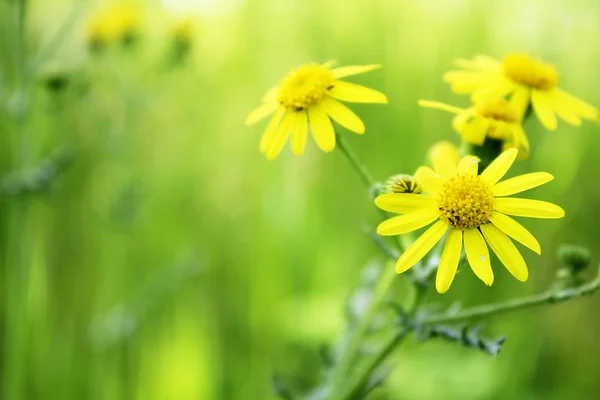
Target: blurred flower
[(443, 149), (182, 36), (118, 23), (467, 205), (491, 118), (308, 97), (402, 183), (527, 81)]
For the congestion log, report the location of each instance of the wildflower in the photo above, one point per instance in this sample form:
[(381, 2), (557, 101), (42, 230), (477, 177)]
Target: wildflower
[(471, 208), (491, 118), (308, 97), (527, 81), (117, 23)]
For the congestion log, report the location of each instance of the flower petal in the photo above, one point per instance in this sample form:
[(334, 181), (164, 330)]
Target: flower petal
[(478, 255), (407, 223), (519, 100), (449, 261), (299, 133), (495, 88), (321, 128), (271, 95), (404, 203), (440, 106), (472, 128), (498, 168), (281, 135), (421, 246), (521, 183), (350, 70), (528, 208), (342, 115), (516, 231), (267, 136), (580, 107), (564, 108), (542, 105), (468, 165), (353, 93), (506, 251), (261, 112), (431, 182)]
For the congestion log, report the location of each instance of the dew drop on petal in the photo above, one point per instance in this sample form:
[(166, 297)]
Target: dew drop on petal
[(481, 257)]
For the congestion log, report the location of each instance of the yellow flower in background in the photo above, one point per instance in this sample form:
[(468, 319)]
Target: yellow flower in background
[(472, 209), (118, 23), (493, 118), (309, 97), (527, 81)]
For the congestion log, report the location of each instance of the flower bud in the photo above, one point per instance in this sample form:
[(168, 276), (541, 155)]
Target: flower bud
[(575, 257), (402, 183)]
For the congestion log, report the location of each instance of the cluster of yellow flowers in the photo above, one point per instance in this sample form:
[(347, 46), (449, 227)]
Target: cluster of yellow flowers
[(471, 208)]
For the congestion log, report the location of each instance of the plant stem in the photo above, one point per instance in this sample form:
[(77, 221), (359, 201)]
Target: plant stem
[(488, 310), (356, 164), (357, 385)]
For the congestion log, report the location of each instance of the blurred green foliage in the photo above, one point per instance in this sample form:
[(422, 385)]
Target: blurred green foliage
[(170, 260)]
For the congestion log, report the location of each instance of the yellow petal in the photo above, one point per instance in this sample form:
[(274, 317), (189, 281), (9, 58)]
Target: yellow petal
[(353, 93), (429, 180), (407, 223), (267, 136), (350, 70), (478, 255), (498, 168), (404, 203), (261, 112), (321, 128), (542, 105), (506, 251), (449, 261), (519, 101), (581, 108), (521, 183), (281, 135), (519, 141), (440, 106), (564, 108), (528, 208), (421, 246), (299, 133), (271, 95), (495, 88), (464, 82), (444, 164), (516, 231), (473, 129), (468, 165), (342, 115)]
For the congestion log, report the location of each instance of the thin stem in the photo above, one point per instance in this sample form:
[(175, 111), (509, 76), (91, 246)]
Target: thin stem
[(358, 385), (358, 166), (488, 310)]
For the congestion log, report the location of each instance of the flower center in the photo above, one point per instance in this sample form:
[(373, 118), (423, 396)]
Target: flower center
[(465, 201), (305, 86), (497, 109), (530, 72)]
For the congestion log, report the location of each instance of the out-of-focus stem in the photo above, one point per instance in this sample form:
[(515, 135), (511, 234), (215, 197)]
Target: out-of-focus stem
[(358, 166)]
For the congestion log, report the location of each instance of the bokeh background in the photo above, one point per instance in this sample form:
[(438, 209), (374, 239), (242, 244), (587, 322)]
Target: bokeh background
[(169, 260)]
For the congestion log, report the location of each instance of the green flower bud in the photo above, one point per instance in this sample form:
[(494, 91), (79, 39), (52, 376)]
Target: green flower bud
[(402, 183), (575, 257)]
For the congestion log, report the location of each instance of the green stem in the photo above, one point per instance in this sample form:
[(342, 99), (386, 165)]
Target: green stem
[(357, 385), (356, 164), (488, 310)]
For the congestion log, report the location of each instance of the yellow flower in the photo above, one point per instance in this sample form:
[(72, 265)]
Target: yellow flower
[(308, 97), (118, 22), (527, 81), (471, 208), (493, 118)]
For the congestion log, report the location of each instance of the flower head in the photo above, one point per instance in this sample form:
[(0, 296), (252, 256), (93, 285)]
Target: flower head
[(527, 81), (117, 23), (308, 97), (490, 118), (472, 208)]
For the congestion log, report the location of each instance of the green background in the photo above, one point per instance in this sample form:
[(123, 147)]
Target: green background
[(171, 260)]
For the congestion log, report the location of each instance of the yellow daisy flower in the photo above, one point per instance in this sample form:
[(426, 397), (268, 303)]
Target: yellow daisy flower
[(118, 22), (491, 118), (527, 81), (472, 209), (308, 97)]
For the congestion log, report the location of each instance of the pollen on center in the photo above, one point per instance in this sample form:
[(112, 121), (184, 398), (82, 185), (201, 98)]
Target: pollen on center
[(305, 87), (465, 201)]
